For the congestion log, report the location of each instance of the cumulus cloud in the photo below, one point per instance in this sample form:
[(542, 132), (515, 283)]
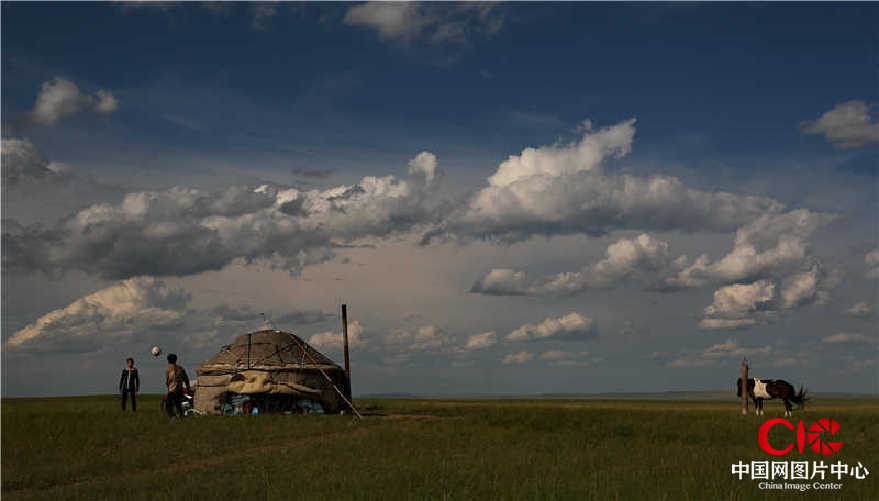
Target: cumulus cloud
[(36, 189), (143, 311), (409, 22), (799, 288), (119, 312), (333, 339), (847, 337), (872, 260), (719, 354), (770, 254), (23, 162), (772, 245), (502, 282), (847, 125), (183, 231), (737, 305), (480, 341), (643, 258), (517, 358), (745, 304), (390, 342), (423, 164), (105, 102), (571, 325), (425, 338), (61, 97), (861, 309), (562, 189)]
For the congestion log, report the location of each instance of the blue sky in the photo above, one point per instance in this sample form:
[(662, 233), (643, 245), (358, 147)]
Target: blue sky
[(728, 97), (729, 72)]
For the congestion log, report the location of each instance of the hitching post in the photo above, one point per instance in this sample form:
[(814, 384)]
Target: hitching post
[(345, 340), (744, 388)]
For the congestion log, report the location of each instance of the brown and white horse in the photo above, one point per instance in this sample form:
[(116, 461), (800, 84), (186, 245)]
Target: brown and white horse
[(768, 389)]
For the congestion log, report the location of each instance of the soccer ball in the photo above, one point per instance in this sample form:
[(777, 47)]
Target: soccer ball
[(156, 351)]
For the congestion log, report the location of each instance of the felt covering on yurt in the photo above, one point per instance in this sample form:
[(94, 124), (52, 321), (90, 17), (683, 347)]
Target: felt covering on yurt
[(269, 362)]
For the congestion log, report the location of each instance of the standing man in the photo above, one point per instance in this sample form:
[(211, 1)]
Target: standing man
[(129, 384), (175, 379)]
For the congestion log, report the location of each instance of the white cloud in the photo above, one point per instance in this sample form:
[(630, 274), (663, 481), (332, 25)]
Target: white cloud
[(559, 160), (741, 298), (643, 258), (517, 358), (847, 125), (333, 339), (861, 309), (847, 337), (140, 312), (61, 97), (770, 255), (799, 288), (772, 245), (22, 161), (391, 19), (502, 282), (428, 337), (424, 164), (719, 354), (425, 338), (572, 324), (408, 22), (105, 102), (183, 231), (131, 308), (479, 341), (561, 189), (736, 305), (747, 304)]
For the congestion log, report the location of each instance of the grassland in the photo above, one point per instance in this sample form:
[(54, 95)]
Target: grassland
[(84, 448)]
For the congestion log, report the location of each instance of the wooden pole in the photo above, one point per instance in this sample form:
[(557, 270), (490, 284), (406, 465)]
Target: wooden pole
[(249, 338), (345, 341), (744, 388)]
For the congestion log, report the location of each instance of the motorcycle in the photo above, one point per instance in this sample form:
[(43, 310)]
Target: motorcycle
[(187, 403)]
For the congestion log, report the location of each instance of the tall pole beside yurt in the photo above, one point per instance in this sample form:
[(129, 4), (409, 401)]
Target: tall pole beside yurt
[(345, 344)]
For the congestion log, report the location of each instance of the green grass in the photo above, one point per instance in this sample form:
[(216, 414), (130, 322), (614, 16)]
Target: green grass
[(84, 448)]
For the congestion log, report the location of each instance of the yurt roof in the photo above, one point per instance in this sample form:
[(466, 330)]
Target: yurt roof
[(268, 350)]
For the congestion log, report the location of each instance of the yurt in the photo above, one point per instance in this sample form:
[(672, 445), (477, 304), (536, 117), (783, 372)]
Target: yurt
[(269, 371)]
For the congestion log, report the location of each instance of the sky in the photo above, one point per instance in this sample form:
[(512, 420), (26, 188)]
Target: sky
[(511, 198)]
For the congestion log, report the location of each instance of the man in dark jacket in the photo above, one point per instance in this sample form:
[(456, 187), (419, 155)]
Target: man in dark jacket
[(129, 384)]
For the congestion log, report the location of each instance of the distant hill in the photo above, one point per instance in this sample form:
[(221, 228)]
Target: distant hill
[(388, 395)]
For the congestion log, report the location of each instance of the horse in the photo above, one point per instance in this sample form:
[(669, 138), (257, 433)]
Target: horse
[(760, 389)]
